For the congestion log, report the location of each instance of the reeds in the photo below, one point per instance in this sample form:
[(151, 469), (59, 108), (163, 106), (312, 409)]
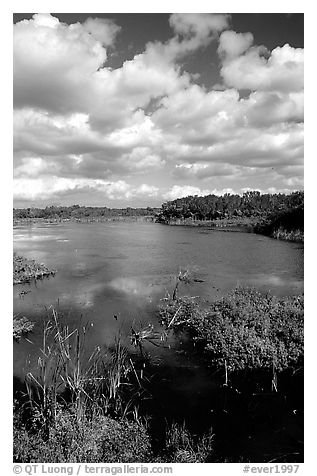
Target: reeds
[(67, 375), (81, 405)]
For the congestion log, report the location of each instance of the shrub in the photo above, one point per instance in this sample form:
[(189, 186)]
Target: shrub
[(245, 329)]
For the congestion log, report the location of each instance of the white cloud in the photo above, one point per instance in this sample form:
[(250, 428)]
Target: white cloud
[(205, 170), (54, 64), (141, 159), (45, 19), (35, 166), (195, 31), (195, 24), (267, 108), (232, 44), (281, 70), (102, 29), (46, 187), (52, 187), (147, 190), (81, 126), (179, 191)]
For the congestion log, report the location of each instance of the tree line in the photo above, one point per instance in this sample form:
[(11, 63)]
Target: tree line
[(250, 204), (267, 210), (81, 212)]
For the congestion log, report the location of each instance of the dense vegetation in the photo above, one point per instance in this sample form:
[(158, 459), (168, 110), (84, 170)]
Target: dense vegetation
[(250, 204), (277, 215)]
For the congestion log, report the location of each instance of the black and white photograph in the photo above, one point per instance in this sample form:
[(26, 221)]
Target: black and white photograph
[(158, 240)]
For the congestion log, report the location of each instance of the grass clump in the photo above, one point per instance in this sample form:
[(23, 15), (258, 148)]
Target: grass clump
[(181, 446), (21, 327), (243, 330), (91, 440), (288, 235), (24, 270)]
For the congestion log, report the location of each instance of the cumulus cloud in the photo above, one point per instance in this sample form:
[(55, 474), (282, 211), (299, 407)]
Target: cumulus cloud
[(179, 191), (53, 64), (267, 108), (53, 187), (82, 128), (255, 68), (102, 29), (275, 145), (195, 24), (205, 170), (194, 31), (232, 44)]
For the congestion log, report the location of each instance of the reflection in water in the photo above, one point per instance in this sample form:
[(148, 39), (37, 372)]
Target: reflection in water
[(131, 286), (276, 281), (22, 237)]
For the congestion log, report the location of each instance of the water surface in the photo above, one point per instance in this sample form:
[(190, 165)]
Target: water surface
[(124, 269)]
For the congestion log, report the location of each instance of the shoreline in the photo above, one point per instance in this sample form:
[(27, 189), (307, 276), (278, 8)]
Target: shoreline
[(128, 219), (240, 226)]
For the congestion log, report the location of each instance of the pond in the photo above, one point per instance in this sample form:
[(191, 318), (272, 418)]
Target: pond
[(124, 269), (114, 274)]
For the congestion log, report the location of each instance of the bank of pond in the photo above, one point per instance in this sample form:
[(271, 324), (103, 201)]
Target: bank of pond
[(114, 405)]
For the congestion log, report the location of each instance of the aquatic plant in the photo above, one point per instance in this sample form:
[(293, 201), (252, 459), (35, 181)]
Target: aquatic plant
[(21, 327), (24, 270), (88, 383)]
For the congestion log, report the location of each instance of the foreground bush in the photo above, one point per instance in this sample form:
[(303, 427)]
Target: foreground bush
[(102, 439), (243, 330)]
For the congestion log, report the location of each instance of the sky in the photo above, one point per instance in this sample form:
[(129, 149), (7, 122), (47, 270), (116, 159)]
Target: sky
[(135, 109)]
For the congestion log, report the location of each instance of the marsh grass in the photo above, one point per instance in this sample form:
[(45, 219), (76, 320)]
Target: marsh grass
[(67, 376), (79, 406)]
